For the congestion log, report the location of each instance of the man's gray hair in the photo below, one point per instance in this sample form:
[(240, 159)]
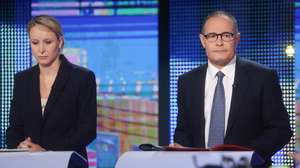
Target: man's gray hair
[(221, 13)]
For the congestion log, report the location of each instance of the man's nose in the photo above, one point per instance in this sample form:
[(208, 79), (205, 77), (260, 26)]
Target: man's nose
[(219, 40)]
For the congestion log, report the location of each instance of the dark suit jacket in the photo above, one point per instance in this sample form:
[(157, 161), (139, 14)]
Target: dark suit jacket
[(257, 118), (69, 121)]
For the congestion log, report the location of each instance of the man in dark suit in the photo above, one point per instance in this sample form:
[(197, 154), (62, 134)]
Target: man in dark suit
[(249, 97)]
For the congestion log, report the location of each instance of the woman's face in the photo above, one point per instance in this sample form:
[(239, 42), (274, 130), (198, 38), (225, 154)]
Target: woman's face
[(45, 45)]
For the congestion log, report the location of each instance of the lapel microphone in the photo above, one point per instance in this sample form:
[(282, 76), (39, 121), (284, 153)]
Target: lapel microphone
[(234, 85)]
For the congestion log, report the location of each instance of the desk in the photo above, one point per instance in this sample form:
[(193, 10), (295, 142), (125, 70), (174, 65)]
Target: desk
[(49, 159), (172, 159)]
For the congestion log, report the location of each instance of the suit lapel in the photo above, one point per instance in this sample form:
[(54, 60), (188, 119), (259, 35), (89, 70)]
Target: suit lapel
[(239, 89), (198, 102), (58, 85)]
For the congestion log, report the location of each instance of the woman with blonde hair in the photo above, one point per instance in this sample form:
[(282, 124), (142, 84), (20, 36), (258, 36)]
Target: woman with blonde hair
[(54, 102)]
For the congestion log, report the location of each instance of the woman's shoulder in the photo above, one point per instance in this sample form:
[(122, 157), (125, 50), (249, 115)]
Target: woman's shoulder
[(81, 71), (27, 73), (67, 65), (76, 71)]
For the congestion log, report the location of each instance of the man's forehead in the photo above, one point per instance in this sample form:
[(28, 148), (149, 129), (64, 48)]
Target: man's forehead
[(220, 19)]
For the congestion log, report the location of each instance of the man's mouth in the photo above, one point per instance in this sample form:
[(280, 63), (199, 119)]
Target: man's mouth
[(219, 50)]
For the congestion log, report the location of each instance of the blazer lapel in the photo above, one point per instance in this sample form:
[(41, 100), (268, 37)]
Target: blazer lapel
[(240, 81), (198, 91), (35, 91), (58, 85)]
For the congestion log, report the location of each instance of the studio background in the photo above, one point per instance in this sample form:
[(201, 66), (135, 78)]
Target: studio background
[(137, 49)]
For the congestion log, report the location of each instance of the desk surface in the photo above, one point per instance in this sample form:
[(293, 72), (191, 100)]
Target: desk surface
[(163, 159), (49, 159)]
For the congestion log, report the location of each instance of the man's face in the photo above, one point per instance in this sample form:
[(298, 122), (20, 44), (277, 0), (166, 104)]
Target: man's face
[(219, 52)]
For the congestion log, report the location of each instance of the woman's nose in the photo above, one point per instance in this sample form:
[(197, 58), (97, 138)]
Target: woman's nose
[(41, 48)]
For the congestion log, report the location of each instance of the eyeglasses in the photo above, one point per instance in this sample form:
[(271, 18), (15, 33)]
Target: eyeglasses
[(225, 36)]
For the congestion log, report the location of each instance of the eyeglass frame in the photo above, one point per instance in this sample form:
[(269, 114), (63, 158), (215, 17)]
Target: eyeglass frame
[(221, 35)]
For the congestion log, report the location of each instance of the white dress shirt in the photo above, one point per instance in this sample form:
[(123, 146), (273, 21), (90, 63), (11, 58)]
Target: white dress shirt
[(210, 85)]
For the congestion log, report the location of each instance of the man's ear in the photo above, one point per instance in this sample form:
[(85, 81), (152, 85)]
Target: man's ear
[(238, 37), (202, 39)]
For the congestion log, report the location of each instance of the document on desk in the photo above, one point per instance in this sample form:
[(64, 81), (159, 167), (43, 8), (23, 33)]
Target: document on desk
[(14, 150), (222, 147)]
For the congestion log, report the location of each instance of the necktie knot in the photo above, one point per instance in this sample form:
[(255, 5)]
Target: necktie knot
[(220, 75)]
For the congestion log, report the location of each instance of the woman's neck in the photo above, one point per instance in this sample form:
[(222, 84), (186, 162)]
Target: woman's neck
[(50, 70)]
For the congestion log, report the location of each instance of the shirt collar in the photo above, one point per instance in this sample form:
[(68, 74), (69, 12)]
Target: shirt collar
[(228, 69)]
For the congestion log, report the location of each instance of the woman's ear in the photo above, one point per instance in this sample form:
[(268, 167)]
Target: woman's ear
[(61, 43)]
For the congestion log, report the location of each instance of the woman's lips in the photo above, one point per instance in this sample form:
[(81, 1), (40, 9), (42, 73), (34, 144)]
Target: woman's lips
[(42, 57)]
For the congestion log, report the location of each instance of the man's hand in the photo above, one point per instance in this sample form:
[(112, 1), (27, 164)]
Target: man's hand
[(28, 144), (176, 145)]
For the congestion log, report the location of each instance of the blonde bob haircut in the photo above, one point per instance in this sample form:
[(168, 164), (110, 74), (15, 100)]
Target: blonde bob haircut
[(48, 21)]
